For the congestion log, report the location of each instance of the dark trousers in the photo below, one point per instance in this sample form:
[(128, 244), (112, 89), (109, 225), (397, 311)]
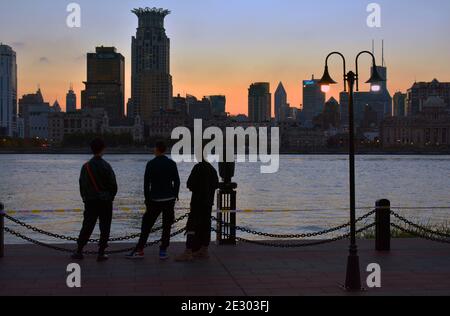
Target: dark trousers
[(154, 209), (198, 227), (96, 210)]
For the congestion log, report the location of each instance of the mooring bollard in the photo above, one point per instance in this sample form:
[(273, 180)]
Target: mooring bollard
[(383, 225), (2, 230)]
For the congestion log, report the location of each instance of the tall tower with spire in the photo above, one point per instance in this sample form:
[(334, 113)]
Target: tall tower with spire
[(281, 104), (151, 81), (71, 100)]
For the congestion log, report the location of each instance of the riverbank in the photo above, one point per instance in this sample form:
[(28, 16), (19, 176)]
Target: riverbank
[(412, 267)]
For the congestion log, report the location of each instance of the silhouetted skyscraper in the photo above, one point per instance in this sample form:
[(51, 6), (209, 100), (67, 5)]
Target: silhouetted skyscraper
[(399, 104), (150, 72), (8, 91), (218, 104), (259, 102), (281, 105), (71, 100), (105, 85), (313, 101)]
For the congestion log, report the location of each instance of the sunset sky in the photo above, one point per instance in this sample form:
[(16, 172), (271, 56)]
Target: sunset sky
[(221, 46)]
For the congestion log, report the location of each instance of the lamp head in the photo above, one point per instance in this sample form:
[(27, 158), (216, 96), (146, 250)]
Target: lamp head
[(326, 78), (375, 78)]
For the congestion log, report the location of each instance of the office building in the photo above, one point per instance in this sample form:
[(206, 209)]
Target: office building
[(71, 100), (105, 85), (399, 104), (281, 105), (418, 94), (313, 101), (151, 82), (8, 91), (259, 102)]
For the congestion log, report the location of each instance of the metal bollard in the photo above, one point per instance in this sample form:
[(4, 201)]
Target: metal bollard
[(383, 225), (226, 222), (2, 230)]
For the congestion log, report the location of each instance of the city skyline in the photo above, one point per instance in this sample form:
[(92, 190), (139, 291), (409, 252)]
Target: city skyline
[(204, 60)]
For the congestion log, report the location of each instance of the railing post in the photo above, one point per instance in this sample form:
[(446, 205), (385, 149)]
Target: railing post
[(2, 230), (383, 225), (226, 201), (226, 221)]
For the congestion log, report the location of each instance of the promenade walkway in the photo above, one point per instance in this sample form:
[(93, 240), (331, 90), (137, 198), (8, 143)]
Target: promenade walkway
[(413, 267)]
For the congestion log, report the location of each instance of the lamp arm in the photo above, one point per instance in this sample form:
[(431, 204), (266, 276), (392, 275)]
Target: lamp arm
[(345, 68), (356, 64)]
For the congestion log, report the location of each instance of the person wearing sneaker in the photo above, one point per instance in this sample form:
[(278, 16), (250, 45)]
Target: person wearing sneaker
[(161, 189), (203, 183), (98, 188)]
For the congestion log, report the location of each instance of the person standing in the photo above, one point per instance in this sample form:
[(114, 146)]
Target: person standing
[(203, 183), (161, 189), (98, 188)]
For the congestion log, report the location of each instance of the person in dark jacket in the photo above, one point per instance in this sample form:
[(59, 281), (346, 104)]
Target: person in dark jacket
[(203, 183), (161, 189), (98, 188)]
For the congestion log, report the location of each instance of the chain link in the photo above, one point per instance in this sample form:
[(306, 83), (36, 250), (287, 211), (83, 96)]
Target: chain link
[(58, 248), (62, 237), (424, 229), (297, 236), (308, 244), (417, 234)]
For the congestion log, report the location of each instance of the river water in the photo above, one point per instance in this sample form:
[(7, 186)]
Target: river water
[(316, 184)]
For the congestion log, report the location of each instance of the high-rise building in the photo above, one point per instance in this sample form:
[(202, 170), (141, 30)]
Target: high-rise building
[(218, 104), (71, 100), (259, 102), (313, 101), (281, 105), (151, 81), (379, 101), (421, 91), (105, 85), (399, 108), (8, 91), (199, 109), (34, 111)]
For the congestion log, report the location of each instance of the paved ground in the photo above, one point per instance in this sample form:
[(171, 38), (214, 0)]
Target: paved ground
[(413, 267)]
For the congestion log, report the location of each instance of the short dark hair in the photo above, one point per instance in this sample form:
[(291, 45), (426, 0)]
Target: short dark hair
[(161, 146), (97, 146)]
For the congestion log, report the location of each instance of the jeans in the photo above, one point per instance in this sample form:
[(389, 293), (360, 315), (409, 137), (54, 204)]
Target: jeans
[(96, 210), (154, 209)]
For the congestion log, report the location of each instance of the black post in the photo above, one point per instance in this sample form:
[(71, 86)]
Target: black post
[(353, 277), (383, 225), (226, 201), (2, 230)]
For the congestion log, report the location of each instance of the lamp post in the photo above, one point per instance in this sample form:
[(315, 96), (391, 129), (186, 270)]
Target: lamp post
[(353, 276)]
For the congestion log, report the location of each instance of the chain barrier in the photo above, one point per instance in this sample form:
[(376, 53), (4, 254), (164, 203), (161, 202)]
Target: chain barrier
[(299, 236), (292, 245), (62, 237), (58, 248), (419, 227), (417, 234)]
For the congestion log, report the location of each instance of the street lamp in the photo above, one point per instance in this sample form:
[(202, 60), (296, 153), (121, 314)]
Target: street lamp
[(353, 277)]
